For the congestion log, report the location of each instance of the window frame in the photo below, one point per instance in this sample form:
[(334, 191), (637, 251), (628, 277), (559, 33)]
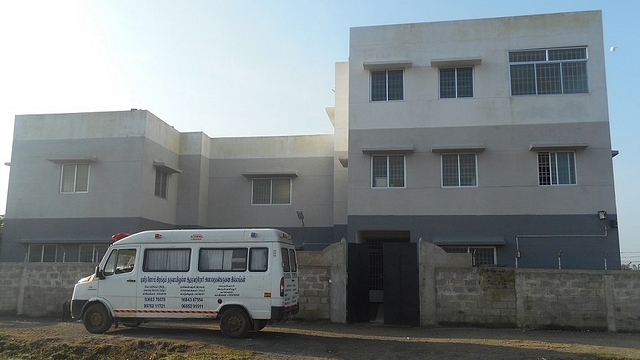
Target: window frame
[(554, 173), (223, 249), (97, 252), (75, 178), (453, 249), (537, 60), (458, 168), (161, 185), (373, 177), (387, 86), (456, 82), (149, 251), (43, 251), (271, 192)]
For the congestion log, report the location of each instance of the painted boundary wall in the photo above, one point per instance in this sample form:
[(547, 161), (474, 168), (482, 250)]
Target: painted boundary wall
[(539, 299)]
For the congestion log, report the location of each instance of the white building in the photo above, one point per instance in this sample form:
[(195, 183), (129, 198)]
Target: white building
[(485, 136)]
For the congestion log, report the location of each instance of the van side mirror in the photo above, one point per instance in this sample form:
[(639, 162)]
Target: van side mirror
[(100, 273)]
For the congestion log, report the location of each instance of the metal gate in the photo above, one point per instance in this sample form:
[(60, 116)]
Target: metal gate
[(401, 296), (357, 283)]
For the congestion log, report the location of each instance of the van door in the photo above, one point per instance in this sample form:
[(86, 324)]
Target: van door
[(289, 290), (119, 286)]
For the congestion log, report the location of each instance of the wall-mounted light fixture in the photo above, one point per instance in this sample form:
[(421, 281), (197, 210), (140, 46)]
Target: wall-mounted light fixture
[(602, 215)]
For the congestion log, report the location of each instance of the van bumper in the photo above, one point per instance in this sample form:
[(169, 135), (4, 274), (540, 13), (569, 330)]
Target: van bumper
[(281, 312), (76, 308)]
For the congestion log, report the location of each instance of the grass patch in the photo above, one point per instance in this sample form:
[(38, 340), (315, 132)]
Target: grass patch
[(56, 349)]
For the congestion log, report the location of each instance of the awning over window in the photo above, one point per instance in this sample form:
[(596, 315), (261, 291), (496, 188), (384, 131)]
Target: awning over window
[(468, 240), (457, 148), (453, 62), (387, 65), (65, 240), (389, 149), (165, 168), (551, 147), (76, 160), (271, 174)]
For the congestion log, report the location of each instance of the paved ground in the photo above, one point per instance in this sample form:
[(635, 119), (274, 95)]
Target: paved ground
[(323, 340)]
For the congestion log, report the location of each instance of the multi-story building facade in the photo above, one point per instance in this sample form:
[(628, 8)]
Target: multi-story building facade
[(484, 136)]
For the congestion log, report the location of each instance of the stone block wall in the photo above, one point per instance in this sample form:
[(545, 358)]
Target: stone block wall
[(38, 289), (314, 294), (477, 296), (539, 299)]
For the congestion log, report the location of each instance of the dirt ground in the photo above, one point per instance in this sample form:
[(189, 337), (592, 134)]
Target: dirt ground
[(308, 340)]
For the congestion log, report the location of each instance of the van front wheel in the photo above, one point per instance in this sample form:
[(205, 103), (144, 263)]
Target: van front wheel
[(97, 319), (235, 323)]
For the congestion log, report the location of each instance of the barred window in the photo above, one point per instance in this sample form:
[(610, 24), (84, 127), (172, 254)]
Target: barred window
[(459, 170), (91, 253), (275, 191), (387, 171), (550, 71), (556, 168), (387, 85), (161, 184), (480, 256), (42, 253), (456, 82)]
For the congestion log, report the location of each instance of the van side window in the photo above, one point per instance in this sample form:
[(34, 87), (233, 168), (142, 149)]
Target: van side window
[(286, 266), (258, 259), (292, 260), (120, 261), (166, 260), (223, 260)]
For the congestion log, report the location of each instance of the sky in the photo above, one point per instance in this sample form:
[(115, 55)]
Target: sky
[(197, 64)]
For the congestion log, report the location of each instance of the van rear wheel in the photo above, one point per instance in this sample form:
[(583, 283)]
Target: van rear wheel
[(235, 323), (97, 319)]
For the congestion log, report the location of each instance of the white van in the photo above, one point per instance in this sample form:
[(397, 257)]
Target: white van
[(245, 278)]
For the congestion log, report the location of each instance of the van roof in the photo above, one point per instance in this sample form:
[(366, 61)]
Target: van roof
[(205, 236)]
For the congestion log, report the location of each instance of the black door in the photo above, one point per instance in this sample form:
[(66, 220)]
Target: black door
[(401, 298), (357, 283)]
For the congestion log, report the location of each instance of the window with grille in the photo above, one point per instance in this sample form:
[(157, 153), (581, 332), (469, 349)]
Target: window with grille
[(549, 71), (42, 253), (387, 171), (556, 168), (275, 191), (459, 170), (161, 184), (387, 85), (91, 253), (456, 82), (480, 256), (74, 178)]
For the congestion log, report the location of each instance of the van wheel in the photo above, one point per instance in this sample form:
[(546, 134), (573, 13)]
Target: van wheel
[(235, 323), (261, 325), (97, 319)]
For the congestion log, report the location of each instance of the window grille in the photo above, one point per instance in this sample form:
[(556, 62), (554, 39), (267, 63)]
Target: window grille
[(387, 171), (456, 82), (387, 85), (276, 191), (550, 71), (459, 170), (556, 168)]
